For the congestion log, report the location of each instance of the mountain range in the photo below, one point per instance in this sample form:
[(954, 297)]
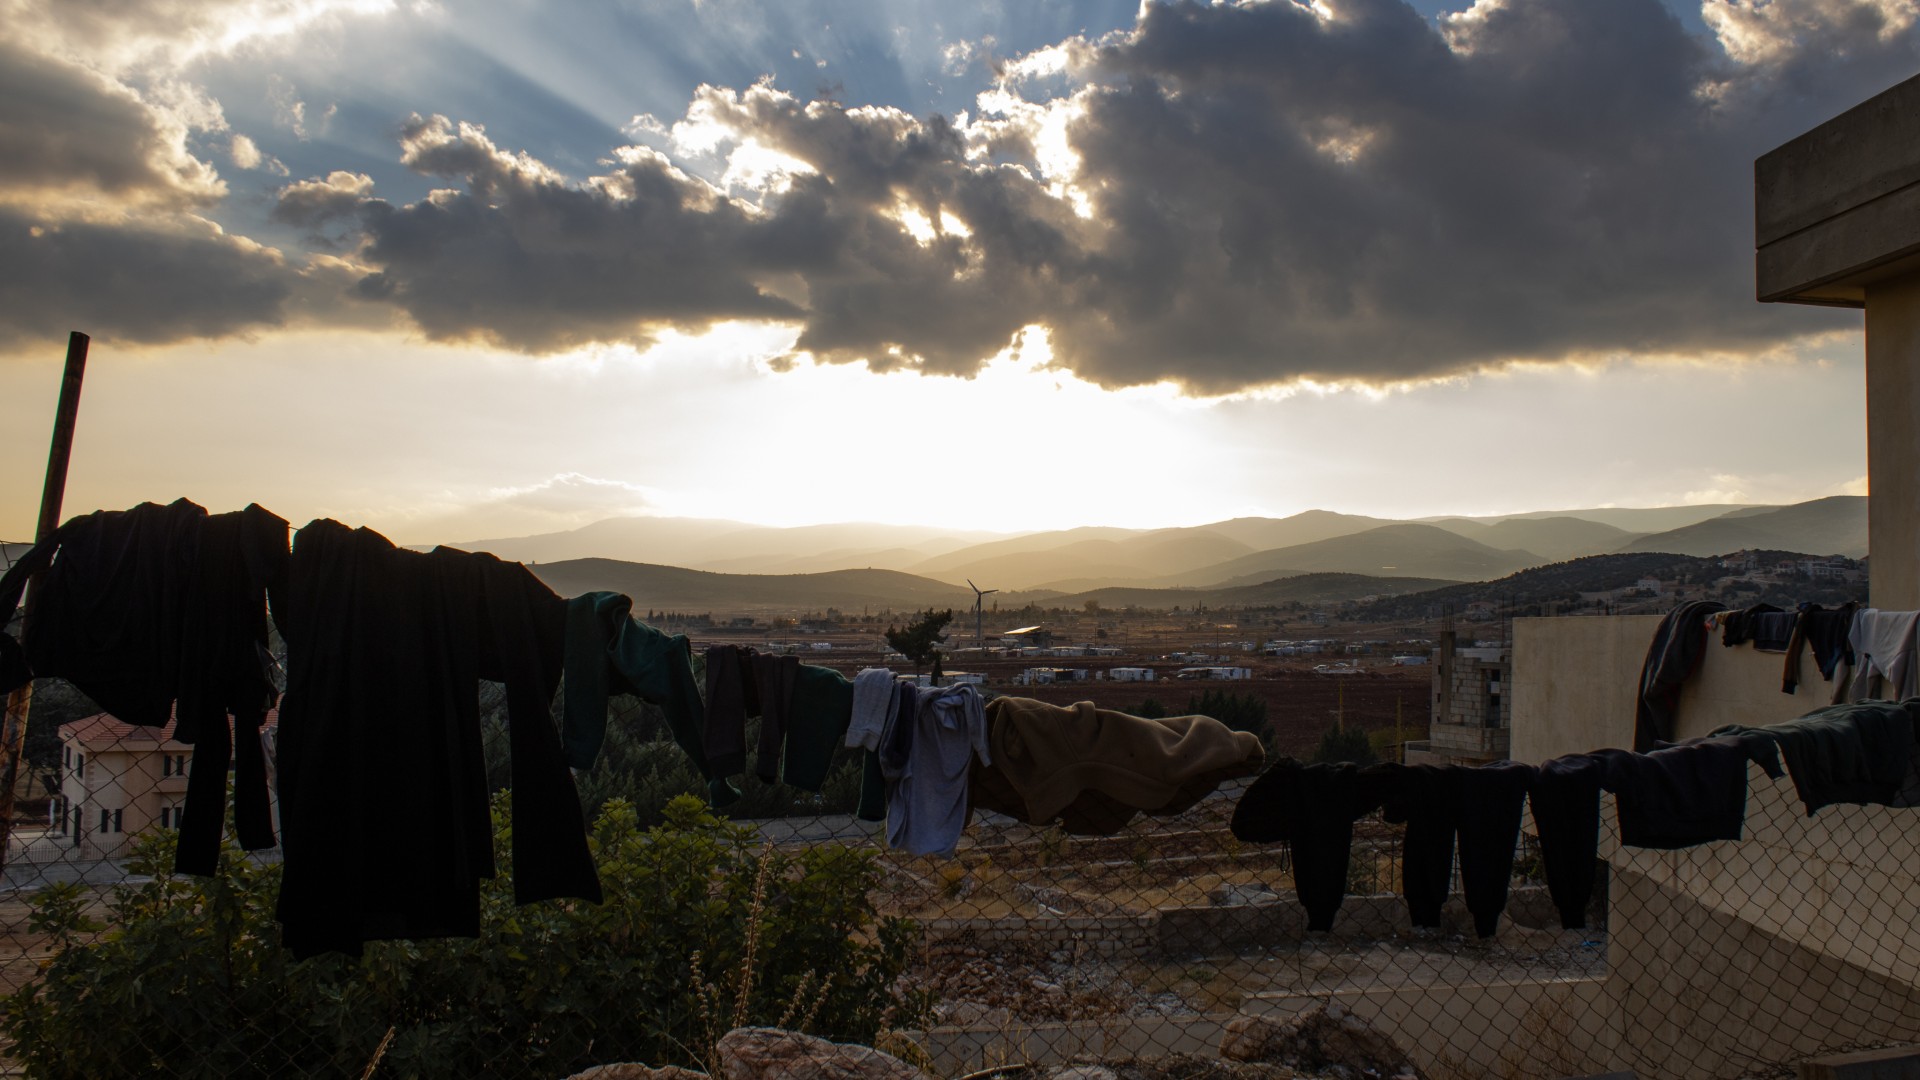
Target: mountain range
[(685, 563)]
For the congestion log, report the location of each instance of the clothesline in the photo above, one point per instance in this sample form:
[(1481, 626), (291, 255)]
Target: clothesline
[(162, 611)]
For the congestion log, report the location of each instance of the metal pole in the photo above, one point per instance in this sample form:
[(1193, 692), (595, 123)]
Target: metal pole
[(13, 733)]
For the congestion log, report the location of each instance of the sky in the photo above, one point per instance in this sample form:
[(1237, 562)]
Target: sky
[(459, 270)]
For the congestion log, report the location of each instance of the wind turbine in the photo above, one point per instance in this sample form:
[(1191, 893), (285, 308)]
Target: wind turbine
[(978, 595)]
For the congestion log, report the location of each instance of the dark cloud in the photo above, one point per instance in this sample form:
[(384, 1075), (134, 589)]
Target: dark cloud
[(67, 130), (524, 260), (149, 283), (1271, 195)]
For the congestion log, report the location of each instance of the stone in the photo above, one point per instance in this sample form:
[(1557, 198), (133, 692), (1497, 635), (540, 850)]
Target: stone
[(1081, 1072), (1324, 1037), (1232, 893), (772, 1054), (629, 1071)]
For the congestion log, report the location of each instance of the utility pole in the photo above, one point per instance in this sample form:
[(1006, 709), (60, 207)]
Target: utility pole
[(13, 733), (1399, 740)]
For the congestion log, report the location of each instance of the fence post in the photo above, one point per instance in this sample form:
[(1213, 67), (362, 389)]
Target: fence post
[(13, 733)]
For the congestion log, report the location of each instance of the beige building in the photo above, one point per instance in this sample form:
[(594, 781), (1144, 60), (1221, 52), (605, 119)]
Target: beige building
[(117, 781)]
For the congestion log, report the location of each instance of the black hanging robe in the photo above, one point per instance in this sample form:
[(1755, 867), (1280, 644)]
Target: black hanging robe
[(383, 800)]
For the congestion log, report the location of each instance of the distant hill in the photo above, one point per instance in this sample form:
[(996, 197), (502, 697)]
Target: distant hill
[(1130, 558), (1301, 588), (1401, 550), (1640, 519), (1013, 545), (843, 559), (1265, 534), (1830, 526), (1558, 588), (1554, 538), (677, 589), (1223, 554), (698, 542)]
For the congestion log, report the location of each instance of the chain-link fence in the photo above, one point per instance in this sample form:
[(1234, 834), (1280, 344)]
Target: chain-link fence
[(1168, 941)]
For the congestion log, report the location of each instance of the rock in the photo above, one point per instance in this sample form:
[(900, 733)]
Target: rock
[(627, 1071), (1324, 1037), (1236, 893), (773, 1054), (1081, 1072)]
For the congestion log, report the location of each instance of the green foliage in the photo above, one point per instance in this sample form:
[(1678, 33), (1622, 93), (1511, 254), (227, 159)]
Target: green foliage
[(192, 981), (920, 640), (1151, 708), (1344, 744), (1241, 712), (1384, 746), (640, 764)]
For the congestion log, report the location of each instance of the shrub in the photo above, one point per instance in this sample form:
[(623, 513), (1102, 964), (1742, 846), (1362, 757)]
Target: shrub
[(1344, 744), (1241, 712), (192, 980)]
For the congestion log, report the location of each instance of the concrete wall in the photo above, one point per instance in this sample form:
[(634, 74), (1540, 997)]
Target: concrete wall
[(1803, 936), (1893, 442), (1576, 681)]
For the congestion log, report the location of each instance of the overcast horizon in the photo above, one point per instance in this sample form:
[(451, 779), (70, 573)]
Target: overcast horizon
[(469, 271)]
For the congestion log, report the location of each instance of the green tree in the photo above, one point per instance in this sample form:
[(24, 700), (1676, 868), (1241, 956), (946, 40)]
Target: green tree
[(1151, 708), (1241, 712), (1344, 744), (920, 640)]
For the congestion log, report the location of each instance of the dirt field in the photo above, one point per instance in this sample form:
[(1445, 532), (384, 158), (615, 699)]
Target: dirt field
[(1300, 704)]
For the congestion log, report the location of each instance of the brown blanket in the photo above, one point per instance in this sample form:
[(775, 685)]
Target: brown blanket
[(1095, 769)]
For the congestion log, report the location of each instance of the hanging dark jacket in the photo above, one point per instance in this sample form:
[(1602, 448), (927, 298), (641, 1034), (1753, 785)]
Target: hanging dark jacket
[(1681, 795), (141, 609), (382, 778), (1679, 643), (107, 615), (1826, 630), (1859, 753), (610, 652)]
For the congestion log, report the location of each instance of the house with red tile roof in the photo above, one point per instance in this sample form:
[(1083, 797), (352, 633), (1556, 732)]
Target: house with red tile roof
[(119, 780)]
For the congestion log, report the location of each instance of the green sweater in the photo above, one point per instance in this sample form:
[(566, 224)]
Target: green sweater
[(609, 652), (817, 717)]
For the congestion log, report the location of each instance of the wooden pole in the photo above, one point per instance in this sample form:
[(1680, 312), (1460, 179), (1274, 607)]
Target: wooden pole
[(13, 733)]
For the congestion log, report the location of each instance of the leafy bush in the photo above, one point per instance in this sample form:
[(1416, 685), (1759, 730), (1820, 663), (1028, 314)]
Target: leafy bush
[(1344, 744), (1241, 712), (701, 930), (640, 763)]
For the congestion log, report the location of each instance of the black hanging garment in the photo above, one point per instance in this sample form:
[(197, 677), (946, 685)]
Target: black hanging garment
[(1826, 630), (1427, 799), (1679, 644), (1566, 810), (227, 670), (1747, 625), (383, 800), (1492, 798), (1860, 753), (141, 607), (1312, 808), (1481, 807), (1681, 795), (732, 696)]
